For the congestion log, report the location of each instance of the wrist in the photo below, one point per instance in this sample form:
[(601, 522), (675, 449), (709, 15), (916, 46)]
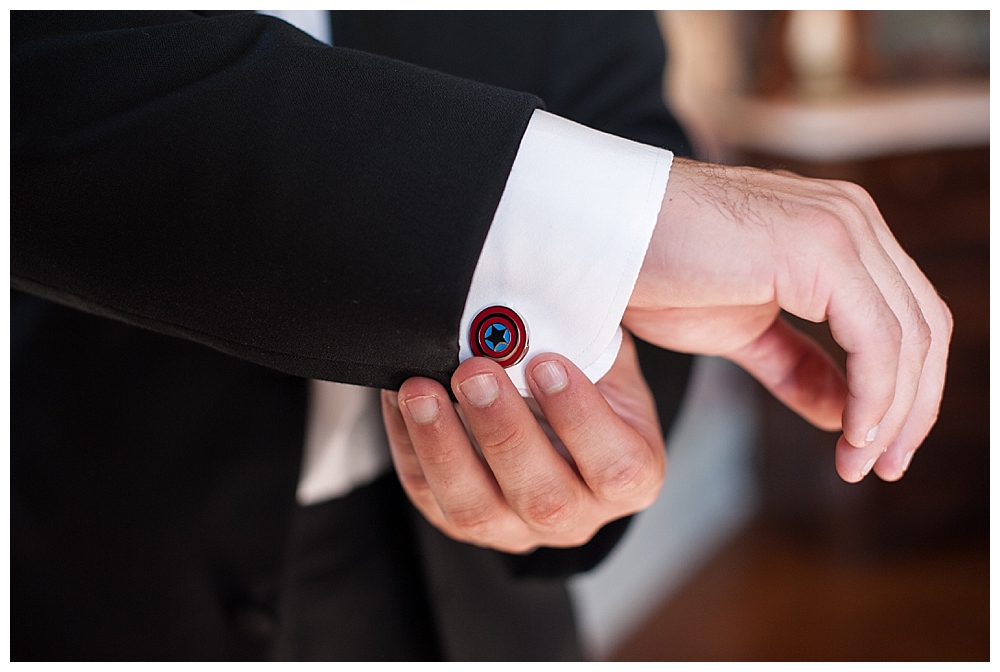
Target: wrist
[(651, 284)]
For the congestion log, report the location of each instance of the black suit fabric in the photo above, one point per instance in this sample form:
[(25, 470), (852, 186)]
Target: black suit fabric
[(602, 69), (226, 181), (231, 181)]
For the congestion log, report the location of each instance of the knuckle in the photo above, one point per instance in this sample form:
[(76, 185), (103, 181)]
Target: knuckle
[(890, 332), (435, 453), (633, 473), (949, 321), (585, 537), (518, 548), (894, 331), (580, 537), (414, 482), (830, 233), (552, 508), (855, 194), (478, 522), (923, 337), (502, 439), (843, 214)]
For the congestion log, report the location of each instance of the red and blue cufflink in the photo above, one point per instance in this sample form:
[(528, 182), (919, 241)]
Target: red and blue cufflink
[(498, 333)]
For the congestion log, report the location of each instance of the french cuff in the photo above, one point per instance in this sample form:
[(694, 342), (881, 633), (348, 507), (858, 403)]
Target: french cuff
[(566, 244)]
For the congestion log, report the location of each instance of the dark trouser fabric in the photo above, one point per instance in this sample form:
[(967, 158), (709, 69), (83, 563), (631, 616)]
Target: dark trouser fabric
[(352, 586), (369, 579)]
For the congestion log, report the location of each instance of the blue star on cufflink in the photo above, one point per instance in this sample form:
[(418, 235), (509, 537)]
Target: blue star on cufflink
[(497, 337)]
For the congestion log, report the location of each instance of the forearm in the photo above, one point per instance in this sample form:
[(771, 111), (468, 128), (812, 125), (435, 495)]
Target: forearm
[(233, 182)]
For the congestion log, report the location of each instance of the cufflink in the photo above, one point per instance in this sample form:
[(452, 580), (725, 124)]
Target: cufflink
[(499, 334)]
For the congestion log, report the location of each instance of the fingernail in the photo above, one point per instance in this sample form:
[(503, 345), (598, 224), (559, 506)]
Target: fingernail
[(872, 433), (551, 377), (868, 467), (906, 460), (480, 390), (422, 409)]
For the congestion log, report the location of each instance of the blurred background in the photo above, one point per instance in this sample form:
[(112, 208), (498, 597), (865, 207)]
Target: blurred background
[(756, 550)]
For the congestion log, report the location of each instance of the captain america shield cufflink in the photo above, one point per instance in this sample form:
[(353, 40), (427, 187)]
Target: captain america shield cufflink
[(499, 334)]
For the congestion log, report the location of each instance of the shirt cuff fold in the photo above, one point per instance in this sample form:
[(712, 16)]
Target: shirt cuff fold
[(568, 240)]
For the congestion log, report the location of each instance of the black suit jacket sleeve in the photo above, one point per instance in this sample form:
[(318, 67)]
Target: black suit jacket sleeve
[(230, 180), (602, 69)]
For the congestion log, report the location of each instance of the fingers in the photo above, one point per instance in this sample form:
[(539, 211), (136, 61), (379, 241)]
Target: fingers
[(866, 327), (518, 495), (728, 239), (520, 492), (442, 478), (404, 456), (825, 279), (538, 484), (618, 450), (922, 351), (615, 468), (931, 339), (840, 271), (872, 336), (854, 462)]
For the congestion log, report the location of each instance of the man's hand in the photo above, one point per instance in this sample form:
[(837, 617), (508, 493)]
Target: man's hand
[(733, 246), (521, 493)]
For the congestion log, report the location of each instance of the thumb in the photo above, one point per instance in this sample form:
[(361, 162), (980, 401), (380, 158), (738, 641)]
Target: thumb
[(796, 370)]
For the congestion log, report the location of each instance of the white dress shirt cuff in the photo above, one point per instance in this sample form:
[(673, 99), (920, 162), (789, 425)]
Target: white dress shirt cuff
[(568, 240)]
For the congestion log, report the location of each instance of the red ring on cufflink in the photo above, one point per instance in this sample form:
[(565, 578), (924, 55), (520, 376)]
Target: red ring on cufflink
[(499, 333)]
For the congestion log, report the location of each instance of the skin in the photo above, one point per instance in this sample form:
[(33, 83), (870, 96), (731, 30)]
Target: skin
[(520, 492), (732, 248)]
